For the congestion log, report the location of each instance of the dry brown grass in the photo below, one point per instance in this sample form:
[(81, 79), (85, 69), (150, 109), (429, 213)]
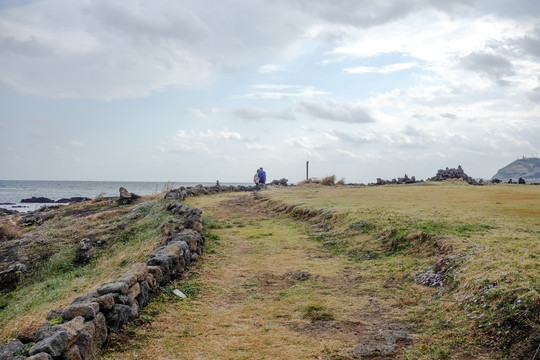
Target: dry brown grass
[(250, 308), (326, 181), (269, 292)]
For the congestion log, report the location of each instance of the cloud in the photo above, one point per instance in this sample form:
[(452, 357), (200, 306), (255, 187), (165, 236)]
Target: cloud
[(260, 147), (534, 95), (254, 113), (337, 111), (347, 136), (449, 115), (280, 92), (205, 142), (202, 113), (77, 143), (354, 13), (270, 68), (387, 69), (494, 66)]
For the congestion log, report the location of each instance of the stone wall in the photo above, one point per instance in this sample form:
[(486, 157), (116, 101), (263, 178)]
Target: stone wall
[(81, 329)]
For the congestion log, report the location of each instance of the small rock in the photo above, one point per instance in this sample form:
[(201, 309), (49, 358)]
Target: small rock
[(115, 287), (179, 294), (86, 310)]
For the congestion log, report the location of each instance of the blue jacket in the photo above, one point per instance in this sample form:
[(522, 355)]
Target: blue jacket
[(262, 176)]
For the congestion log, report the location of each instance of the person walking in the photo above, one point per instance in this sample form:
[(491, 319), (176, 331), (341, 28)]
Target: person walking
[(262, 176)]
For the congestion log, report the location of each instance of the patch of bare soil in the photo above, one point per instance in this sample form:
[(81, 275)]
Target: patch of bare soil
[(370, 338)]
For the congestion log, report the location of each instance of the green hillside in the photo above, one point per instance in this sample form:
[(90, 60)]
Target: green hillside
[(526, 168)]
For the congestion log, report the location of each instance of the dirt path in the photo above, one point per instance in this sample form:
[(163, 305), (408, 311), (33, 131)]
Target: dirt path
[(270, 292)]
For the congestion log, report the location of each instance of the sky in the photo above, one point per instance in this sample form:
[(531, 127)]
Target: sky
[(206, 90)]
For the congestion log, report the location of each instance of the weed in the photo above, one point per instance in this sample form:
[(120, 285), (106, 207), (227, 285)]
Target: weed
[(212, 223), (317, 312), (4, 299), (56, 321)]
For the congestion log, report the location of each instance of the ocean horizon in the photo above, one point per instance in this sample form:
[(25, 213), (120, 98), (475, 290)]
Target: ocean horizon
[(13, 191)]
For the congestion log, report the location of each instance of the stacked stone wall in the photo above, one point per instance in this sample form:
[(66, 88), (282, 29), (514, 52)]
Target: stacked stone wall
[(82, 328)]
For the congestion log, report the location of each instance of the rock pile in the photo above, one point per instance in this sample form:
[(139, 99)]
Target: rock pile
[(401, 180), (182, 192), (452, 174), (81, 329)]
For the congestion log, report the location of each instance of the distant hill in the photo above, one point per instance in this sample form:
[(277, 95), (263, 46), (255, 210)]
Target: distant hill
[(526, 168)]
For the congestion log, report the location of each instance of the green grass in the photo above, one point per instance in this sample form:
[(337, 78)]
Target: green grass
[(59, 278)]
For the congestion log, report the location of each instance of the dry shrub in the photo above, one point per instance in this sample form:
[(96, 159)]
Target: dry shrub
[(309, 181), (327, 181)]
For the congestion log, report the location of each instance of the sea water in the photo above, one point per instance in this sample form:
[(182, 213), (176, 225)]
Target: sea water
[(13, 191)]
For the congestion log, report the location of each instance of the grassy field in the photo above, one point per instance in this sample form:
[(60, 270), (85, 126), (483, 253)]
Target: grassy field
[(424, 271), (430, 271)]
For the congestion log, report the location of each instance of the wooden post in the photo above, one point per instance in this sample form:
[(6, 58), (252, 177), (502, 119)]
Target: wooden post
[(307, 170)]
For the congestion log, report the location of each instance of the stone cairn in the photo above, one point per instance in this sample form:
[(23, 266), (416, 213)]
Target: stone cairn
[(82, 328), (452, 174)]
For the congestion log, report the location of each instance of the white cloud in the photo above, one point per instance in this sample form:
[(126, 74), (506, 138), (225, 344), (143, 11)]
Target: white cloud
[(387, 69), (295, 92), (260, 147), (269, 68), (77, 143), (337, 111), (254, 113)]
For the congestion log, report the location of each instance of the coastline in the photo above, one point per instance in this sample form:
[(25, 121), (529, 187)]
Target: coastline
[(12, 192)]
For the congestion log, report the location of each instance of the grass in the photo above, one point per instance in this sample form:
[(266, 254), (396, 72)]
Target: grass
[(317, 271), (484, 235), (59, 279)]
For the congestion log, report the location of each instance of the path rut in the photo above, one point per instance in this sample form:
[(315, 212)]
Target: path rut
[(269, 291)]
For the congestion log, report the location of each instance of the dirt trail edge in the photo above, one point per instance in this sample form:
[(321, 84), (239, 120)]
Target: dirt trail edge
[(269, 291)]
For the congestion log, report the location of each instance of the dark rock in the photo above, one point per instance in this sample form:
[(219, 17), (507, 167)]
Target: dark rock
[(106, 303), (86, 310), (33, 200), (280, 182), (73, 353), (5, 212), (54, 314), (144, 296), (84, 299), (156, 272), (139, 271), (53, 345), (127, 198), (11, 350), (119, 316), (92, 337), (176, 194), (28, 334), (114, 287), (88, 250), (40, 356), (123, 300), (75, 199), (10, 277)]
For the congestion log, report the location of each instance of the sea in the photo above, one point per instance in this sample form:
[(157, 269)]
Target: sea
[(13, 191)]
